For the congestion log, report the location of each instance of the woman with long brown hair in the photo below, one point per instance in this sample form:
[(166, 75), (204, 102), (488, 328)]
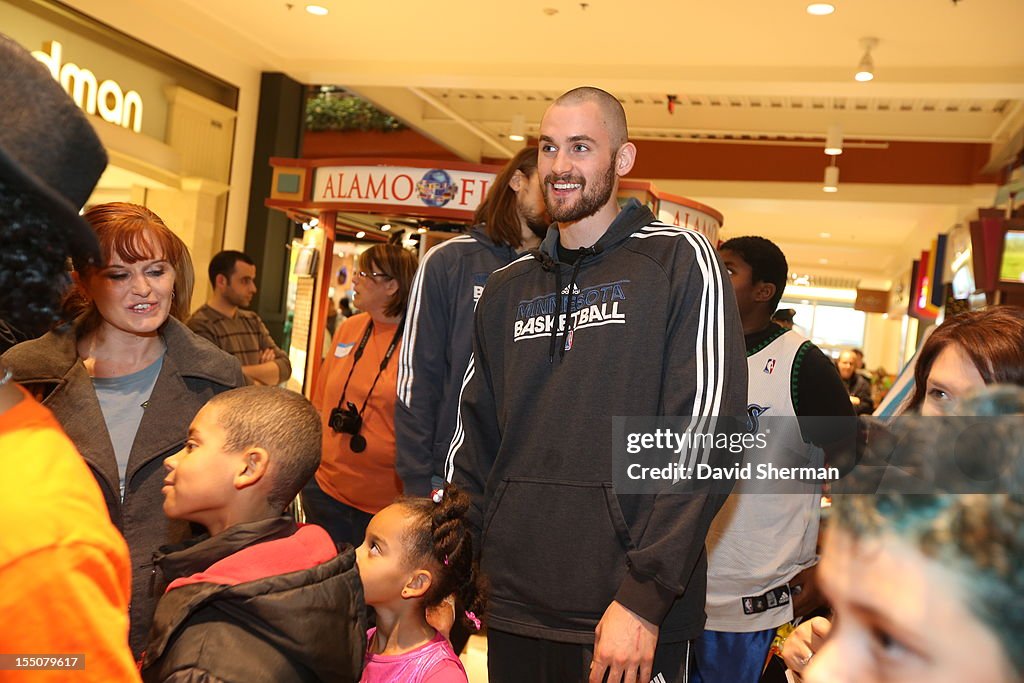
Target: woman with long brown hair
[(126, 377)]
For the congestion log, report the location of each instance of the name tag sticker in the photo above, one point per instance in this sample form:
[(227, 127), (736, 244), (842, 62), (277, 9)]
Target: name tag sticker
[(343, 349)]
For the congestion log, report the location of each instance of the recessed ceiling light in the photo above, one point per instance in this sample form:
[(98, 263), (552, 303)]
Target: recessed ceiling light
[(820, 9), (360, 235), (385, 227), (422, 230), (824, 235), (318, 10)]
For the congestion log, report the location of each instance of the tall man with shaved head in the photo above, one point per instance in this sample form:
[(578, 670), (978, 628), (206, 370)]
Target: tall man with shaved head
[(615, 315)]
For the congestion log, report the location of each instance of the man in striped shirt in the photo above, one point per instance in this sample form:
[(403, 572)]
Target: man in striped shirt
[(225, 321)]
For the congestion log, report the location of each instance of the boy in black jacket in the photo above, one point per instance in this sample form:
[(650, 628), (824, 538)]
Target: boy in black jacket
[(260, 597)]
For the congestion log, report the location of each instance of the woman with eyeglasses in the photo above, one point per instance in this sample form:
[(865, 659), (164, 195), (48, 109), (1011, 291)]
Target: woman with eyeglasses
[(355, 394)]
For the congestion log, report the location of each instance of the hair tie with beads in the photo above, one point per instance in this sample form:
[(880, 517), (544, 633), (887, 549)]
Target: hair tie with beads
[(437, 495)]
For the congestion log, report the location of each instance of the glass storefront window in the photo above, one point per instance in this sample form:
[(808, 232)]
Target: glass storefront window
[(832, 326)]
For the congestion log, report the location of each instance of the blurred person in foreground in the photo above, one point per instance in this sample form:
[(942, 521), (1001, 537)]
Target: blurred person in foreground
[(65, 577), (965, 354), (929, 587), (125, 377)]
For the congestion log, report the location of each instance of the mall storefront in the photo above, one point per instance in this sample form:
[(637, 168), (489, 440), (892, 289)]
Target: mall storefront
[(168, 127)]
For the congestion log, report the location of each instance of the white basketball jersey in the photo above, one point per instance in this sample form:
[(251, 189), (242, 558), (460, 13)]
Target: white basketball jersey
[(759, 541)]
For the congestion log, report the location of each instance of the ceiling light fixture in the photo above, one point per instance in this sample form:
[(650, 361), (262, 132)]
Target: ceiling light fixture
[(360, 235), (831, 178), (820, 9), (517, 131), (421, 230), (834, 140), (317, 10), (385, 227), (866, 68)]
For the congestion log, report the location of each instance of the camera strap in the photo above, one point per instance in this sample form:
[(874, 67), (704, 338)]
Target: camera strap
[(383, 364)]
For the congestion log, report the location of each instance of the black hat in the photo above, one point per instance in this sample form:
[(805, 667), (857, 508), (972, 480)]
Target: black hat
[(784, 314), (47, 147)]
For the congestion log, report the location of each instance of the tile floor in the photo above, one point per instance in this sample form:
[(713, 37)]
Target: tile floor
[(474, 658)]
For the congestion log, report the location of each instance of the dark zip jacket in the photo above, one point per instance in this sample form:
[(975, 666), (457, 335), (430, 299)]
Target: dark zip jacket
[(436, 348), (651, 328), (222, 620)]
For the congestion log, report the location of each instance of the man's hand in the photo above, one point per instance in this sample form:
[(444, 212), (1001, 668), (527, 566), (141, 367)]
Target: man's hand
[(803, 642), (624, 646), (267, 355)]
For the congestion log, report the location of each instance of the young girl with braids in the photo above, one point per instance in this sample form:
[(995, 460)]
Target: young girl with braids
[(417, 552)]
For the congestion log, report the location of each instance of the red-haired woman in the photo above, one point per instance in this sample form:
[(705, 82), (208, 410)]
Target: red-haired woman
[(126, 377)]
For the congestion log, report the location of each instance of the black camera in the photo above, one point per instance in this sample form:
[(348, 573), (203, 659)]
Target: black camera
[(346, 420)]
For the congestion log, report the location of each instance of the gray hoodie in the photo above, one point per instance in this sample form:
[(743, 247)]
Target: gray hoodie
[(650, 328)]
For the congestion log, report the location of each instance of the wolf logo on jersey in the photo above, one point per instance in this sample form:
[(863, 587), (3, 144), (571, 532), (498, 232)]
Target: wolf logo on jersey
[(754, 411)]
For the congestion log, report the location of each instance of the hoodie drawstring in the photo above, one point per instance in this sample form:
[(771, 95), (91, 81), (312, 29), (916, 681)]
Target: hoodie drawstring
[(570, 324), (558, 313)]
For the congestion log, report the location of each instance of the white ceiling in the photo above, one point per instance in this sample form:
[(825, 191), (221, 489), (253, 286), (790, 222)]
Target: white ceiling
[(742, 69)]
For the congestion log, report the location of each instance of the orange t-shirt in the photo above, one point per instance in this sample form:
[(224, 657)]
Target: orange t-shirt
[(65, 577), (365, 480)]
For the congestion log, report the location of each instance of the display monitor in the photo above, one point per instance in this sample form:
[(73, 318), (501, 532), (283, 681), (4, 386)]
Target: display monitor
[(1011, 266)]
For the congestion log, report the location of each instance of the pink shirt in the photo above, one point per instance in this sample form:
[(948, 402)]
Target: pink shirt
[(434, 662)]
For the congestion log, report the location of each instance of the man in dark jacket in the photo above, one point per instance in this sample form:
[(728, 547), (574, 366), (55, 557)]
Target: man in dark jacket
[(857, 387), (261, 598), (615, 315), (438, 338)]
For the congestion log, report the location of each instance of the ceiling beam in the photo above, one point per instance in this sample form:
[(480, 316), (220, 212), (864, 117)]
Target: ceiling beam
[(411, 109)]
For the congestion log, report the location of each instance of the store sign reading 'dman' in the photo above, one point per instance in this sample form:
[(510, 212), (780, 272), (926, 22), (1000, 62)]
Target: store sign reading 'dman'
[(104, 98)]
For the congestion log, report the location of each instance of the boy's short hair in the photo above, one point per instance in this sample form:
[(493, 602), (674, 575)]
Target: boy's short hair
[(280, 421), (767, 262)]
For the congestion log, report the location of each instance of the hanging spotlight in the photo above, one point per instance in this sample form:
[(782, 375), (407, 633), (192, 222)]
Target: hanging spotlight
[(517, 131), (385, 227), (831, 178), (834, 140), (866, 68), (360, 235)]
